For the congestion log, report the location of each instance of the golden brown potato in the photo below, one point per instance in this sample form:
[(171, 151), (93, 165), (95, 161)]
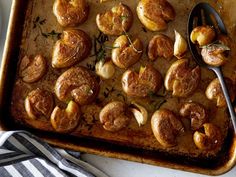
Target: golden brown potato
[(39, 104), (214, 91), (211, 139), (66, 120), (196, 112), (115, 21), (115, 116), (71, 12), (155, 14), (32, 69), (181, 79), (77, 84), (202, 35), (166, 127), (215, 54), (126, 53), (148, 81), (160, 46), (74, 46)]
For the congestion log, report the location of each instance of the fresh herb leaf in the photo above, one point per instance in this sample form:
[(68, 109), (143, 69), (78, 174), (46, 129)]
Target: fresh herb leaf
[(123, 17)]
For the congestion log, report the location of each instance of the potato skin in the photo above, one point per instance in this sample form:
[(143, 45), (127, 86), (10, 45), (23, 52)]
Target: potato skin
[(214, 91), (39, 104), (32, 69), (210, 140), (78, 84), (115, 116), (115, 21), (181, 79), (71, 13), (148, 81), (74, 46), (155, 14), (165, 127), (202, 35), (160, 46), (125, 54), (196, 113)]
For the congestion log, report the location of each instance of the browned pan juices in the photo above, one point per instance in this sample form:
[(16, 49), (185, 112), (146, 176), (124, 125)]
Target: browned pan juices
[(38, 39)]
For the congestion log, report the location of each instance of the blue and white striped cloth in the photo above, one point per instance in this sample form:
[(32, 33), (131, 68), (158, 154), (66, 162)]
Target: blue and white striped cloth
[(24, 155)]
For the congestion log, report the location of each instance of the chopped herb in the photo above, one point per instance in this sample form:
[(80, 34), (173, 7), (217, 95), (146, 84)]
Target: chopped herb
[(108, 91), (38, 23)]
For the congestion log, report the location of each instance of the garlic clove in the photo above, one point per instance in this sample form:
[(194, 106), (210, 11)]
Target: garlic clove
[(140, 114), (180, 45), (105, 70)]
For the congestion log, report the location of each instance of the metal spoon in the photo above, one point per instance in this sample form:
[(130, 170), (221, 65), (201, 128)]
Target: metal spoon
[(204, 14)]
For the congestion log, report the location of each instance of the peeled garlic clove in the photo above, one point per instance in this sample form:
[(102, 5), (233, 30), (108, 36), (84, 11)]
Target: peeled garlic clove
[(140, 114), (180, 45), (105, 70)]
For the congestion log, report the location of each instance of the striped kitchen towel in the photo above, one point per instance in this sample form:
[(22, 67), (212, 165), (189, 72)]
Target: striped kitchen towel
[(24, 155)]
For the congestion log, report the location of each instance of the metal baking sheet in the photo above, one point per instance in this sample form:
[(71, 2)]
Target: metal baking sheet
[(21, 37)]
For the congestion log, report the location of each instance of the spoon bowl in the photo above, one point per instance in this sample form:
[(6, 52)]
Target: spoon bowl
[(204, 14)]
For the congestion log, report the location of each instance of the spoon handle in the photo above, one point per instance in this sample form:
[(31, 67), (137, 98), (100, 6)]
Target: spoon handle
[(227, 96)]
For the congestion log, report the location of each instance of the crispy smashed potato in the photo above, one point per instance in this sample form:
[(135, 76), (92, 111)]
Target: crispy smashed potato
[(141, 84), (166, 127), (39, 104), (215, 54), (210, 139), (160, 46), (155, 14), (78, 84), (32, 69), (181, 79), (71, 13), (125, 53), (196, 113), (115, 21), (202, 35), (115, 116), (66, 120), (214, 91), (74, 46)]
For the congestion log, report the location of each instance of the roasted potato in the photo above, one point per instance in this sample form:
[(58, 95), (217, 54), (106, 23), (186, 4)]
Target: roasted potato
[(77, 84), (166, 127), (65, 120), (148, 81), (181, 79), (115, 21), (160, 46), (215, 54), (71, 13), (196, 113), (74, 46), (155, 14), (214, 91), (115, 116), (125, 53), (39, 104), (202, 35), (32, 69), (210, 139)]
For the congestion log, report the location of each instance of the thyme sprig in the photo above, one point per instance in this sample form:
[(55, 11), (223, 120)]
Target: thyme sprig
[(38, 23), (131, 43)]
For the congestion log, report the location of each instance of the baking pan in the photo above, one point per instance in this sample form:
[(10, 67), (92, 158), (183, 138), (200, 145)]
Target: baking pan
[(21, 11)]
